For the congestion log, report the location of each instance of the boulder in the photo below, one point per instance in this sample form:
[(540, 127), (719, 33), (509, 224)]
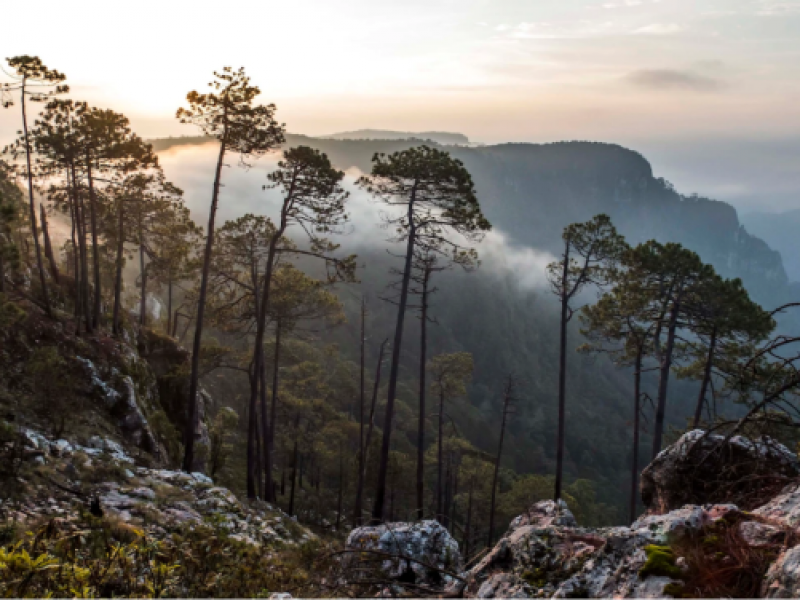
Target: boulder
[(421, 553), (705, 469)]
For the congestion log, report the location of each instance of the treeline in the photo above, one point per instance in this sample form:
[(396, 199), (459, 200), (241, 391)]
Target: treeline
[(252, 292)]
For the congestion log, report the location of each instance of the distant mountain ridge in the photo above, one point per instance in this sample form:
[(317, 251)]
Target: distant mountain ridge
[(440, 137)]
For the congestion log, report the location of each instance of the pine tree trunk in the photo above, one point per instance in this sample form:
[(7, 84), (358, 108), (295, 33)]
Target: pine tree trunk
[(440, 459), (496, 475), (637, 394), (361, 409), (341, 488), (95, 245), (73, 213), (251, 438), (468, 524), (380, 490), (34, 232), (294, 466), (423, 348), (698, 411), (118, 266), (143, 278), (48, 246), (194, 379), (83, 253), (663, 381), (273, 413), (363, 472), (169, 302), (562, 374)]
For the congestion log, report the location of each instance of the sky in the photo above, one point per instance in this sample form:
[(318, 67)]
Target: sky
[(707, 90)]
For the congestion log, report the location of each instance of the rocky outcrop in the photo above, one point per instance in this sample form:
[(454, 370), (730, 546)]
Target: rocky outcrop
[(545, 553), (158, 501), (703, 469), (422, 554)]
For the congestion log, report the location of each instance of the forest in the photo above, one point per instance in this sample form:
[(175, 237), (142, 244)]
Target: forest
[(413, 378)]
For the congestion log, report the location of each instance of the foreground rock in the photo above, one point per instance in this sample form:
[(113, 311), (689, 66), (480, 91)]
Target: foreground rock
[(422, 554), (700, 469), (670, 550), (159, 501)]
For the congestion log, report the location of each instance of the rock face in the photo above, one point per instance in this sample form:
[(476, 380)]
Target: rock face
[(422, 553), (700, 469)]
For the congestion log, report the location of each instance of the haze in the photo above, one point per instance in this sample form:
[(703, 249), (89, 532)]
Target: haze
[(707, 91)]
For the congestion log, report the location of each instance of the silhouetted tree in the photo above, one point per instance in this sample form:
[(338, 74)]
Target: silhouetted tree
[(32, 78), (227, 114), (437, 197), (590, 251)]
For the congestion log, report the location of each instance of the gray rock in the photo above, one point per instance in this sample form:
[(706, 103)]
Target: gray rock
[(426, 543), (704, 469), (546, 514), (759, 534)]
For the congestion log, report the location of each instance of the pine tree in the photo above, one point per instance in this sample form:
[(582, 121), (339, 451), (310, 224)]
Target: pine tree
[(34, 81), (590, 251), (437, 197), (227, 114)]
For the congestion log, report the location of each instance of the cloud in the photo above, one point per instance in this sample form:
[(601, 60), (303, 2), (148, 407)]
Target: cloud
[(670, 79), (769, 8), (623, 4), (659, 29)]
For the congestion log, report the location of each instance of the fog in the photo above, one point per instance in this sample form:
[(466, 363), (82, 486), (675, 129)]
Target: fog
[(192, 169)]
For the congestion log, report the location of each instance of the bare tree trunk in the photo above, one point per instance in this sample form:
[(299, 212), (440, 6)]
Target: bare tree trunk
[(361, 401), (34, 232), (637, 395), (423, 348), (380, 490), (73, 213), (562, 374), (468, 524), (273, 413), (363, 471), (507, 397), (83, 253), (698, 411), (440, 459), (169, 302), (143, 277), (294, 467), (194, 379), (48, 247), (252, 490), (341, 488), (257, 480), (95, 245), (666, 364), (115, 326)]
